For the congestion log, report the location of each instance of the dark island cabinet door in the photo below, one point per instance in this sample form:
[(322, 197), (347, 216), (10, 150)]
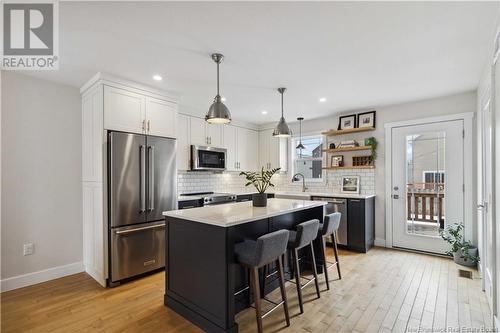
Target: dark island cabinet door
[(356, 232)]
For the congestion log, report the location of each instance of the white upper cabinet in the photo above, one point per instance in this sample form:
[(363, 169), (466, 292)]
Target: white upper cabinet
[(272, 151), (183, 146), (230, 137), (129, 111), (197, 130), (252, 151), (124, 110), (205, 134), (92, 136), (214, 134), (161, 117)]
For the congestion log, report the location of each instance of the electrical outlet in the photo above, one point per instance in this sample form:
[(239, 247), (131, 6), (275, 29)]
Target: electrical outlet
[(28, 249)]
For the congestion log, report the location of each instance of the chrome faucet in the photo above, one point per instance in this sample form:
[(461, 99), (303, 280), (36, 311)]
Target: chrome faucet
[(296, 178)]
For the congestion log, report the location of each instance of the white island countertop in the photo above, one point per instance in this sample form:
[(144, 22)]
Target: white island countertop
[(231, 214)]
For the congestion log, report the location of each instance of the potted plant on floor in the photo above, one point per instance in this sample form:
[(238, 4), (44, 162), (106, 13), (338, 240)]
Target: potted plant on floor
[(261, 180), (462, 251)]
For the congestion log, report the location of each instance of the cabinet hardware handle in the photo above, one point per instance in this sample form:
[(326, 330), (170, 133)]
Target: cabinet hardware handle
[(149, 125), (143, 125), (355, 200)]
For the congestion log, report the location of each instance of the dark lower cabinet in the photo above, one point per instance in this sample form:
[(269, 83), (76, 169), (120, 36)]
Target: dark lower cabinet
[(360, 224)]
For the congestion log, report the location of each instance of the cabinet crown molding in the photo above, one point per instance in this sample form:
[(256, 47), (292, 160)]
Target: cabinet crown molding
[(118, 82)]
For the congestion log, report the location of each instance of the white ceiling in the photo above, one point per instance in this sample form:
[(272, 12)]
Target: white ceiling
[(355, 54)]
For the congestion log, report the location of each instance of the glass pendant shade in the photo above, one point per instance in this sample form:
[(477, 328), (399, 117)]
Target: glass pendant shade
[(218, 113), (282, 130)]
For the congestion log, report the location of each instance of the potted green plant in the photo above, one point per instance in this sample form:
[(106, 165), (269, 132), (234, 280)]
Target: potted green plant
[(262, 181), (462, 251), (373, 143)]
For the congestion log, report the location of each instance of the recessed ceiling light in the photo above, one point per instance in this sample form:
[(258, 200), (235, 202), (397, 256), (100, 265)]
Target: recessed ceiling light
[(157, 77), (322, 99), (223, 99), (263, 112)]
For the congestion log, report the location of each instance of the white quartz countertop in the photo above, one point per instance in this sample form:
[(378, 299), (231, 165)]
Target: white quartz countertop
[(290, 193), (231, 214)]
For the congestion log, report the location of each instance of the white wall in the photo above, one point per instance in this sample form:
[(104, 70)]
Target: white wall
[(458, 103), (41, 177)]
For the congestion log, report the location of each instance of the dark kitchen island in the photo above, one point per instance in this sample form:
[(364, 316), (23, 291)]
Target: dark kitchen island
[(202, 276)]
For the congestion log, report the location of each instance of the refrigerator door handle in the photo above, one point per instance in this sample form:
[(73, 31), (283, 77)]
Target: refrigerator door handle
[(151, 153), (142, 149)]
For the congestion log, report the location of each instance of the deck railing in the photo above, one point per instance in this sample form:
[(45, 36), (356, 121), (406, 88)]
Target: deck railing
[(424, 204)]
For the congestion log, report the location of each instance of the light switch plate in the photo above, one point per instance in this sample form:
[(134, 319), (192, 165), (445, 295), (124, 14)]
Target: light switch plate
[(28, 249)]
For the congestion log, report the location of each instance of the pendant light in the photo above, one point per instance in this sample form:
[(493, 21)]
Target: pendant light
[(300, 145), (218, 112), (282, 130)]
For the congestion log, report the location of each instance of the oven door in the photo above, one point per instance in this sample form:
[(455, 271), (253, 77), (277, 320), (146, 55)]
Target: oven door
[(208, 158)]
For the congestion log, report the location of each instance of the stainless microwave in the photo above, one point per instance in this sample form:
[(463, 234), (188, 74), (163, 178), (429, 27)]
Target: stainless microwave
[(208, 158)]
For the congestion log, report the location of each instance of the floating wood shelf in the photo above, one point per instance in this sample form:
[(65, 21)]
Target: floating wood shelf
[(350, 167), (348, 131), (337, 150)]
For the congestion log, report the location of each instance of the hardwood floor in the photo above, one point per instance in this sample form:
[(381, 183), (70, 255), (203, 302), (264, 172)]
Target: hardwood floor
[(381, 291)]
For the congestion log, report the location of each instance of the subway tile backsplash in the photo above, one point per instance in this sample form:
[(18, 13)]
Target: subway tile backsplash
[(193, 181)]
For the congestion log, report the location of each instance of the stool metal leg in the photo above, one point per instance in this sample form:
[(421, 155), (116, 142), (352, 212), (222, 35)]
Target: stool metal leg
[(254, 277), (295, 259), (315, 271), (325, 264), (283, 290), (334, 241)]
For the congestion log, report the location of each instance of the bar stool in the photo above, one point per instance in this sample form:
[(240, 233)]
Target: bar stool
[(329, 227), (255, 254), (304, 236)]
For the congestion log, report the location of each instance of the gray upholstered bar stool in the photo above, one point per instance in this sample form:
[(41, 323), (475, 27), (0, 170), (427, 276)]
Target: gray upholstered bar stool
[(304, 236), (329, 227), (255, 254)]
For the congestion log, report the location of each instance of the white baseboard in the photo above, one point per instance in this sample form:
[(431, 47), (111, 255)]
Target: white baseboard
[(40, 276), (380, 242)]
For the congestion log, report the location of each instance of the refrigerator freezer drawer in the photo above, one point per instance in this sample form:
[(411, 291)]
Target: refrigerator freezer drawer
[(137, 249)]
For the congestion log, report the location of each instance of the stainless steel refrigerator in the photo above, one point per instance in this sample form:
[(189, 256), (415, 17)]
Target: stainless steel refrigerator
[(141, 185)]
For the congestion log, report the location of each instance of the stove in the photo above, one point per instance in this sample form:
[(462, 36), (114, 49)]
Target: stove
[(211, 198)]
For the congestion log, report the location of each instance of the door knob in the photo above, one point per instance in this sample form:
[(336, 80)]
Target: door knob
[(395, 196), (396, 188)]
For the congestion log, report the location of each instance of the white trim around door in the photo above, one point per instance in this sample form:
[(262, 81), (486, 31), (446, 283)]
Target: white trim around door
[(468, 119)]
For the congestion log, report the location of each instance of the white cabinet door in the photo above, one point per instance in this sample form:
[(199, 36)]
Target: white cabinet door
[(230, 143), (252, 159), (183, 145), (161, 117), (263, 150), (92, 136), (123, 110), (274, 152), (197, 132), (214, 134)]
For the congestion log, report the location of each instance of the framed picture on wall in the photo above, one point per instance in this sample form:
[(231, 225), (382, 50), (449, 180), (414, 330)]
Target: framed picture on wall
[(337, 161), (366, 119), (350, 184), (346, 122)]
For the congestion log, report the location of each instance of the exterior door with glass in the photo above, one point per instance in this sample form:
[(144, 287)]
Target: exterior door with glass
[(427, 183)]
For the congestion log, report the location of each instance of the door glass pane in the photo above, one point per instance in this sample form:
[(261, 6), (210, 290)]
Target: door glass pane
[(425, 180)]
